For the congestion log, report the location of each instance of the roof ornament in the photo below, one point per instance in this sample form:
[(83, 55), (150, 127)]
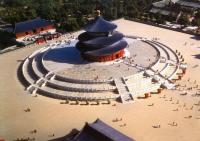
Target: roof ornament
[(98, 13)]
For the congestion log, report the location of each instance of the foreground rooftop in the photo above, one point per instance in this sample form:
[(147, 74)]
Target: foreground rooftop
[(100, 131)]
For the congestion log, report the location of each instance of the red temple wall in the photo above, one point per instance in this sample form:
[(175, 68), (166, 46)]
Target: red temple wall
[(106, 57), (30, 32)]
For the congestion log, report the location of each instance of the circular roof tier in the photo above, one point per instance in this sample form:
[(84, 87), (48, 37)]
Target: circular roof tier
[(85, 36), (105, 41), (108, 50), (100, 25), (99, 42)]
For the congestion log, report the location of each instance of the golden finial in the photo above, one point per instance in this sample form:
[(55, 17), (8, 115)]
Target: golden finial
[(98, 12)]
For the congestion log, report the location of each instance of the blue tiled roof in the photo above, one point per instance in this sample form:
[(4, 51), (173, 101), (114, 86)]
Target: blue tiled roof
[(97, 42), (108, 49), (30, 25), (105, 41), (100, 25)]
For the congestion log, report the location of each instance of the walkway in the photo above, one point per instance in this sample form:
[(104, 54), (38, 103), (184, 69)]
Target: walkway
[(123, 91)]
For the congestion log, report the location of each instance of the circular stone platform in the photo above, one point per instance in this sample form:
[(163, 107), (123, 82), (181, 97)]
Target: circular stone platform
[(58, 71), (68, 62)]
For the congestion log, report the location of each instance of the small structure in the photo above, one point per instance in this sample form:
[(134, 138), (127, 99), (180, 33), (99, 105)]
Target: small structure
[(169, 7), (45, 37), (100, 131), (32, 27), (100, 42)]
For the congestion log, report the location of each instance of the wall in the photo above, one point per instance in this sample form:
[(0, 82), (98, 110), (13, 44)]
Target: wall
[(30, 32), (106, 57)]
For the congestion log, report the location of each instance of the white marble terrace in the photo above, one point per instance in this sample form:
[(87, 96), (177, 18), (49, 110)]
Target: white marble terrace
[(58, 71)]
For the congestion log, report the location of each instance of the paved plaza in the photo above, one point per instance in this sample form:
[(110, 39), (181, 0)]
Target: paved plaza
[(49, 115)]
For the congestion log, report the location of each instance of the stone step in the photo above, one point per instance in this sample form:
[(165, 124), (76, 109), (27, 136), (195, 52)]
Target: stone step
[(27, 73), (59, 94), (80, 87), (81, 81), (175, 56), (38, 66), (135, 82), (169, 70), (126, 98), (148, 89), (123, 91)]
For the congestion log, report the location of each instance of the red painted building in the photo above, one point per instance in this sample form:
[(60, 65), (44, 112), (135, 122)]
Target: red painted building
[(32, 27)]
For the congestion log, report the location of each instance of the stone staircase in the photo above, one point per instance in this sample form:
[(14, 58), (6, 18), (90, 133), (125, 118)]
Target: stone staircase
[(123, 91)]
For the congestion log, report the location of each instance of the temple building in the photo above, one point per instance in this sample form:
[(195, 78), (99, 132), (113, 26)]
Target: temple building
[(100, 131), (172, 7), (32, 27), (100, 42)]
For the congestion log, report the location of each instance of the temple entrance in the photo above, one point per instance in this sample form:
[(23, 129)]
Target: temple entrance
[(117, 55), (34, 31)]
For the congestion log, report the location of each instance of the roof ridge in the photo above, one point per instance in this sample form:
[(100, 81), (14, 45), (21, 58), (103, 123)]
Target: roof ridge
[(30, 20)]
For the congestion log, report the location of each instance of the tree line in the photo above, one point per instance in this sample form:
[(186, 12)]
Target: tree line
[(71, 14)]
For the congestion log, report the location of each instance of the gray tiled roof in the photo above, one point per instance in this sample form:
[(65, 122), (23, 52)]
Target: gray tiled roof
[(100, 131)]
